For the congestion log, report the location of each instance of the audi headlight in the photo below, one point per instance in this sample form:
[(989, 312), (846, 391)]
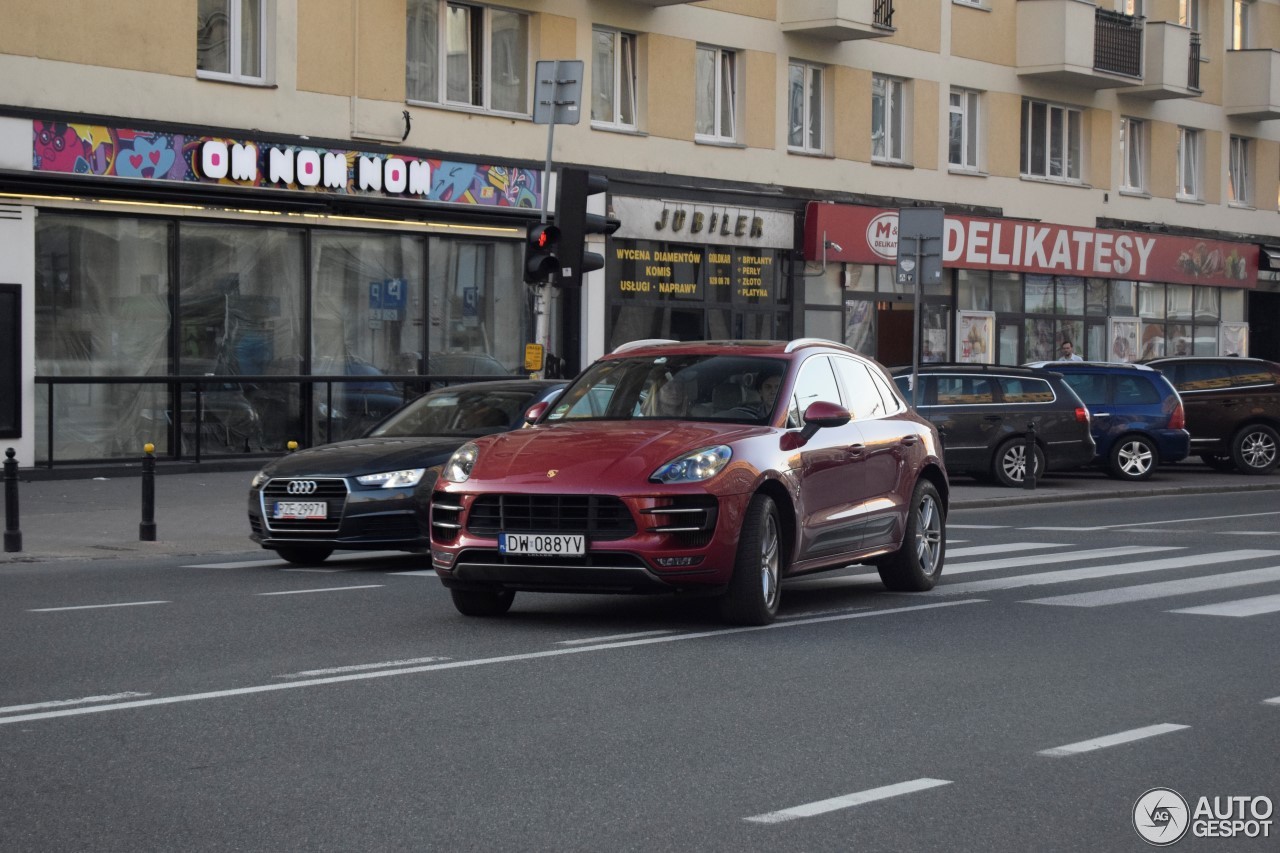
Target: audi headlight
[(259, 478), (458, 468), (393, 479), (694, 467)]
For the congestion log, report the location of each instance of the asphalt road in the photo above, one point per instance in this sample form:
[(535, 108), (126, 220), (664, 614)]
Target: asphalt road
[(1075, 656)]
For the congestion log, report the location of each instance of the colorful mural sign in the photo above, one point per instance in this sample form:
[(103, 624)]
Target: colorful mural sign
[(87, 149), (869, 235)]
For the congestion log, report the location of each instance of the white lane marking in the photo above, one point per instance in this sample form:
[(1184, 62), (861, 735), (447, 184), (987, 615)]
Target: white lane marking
[(62, 703), (1249, 533), (809, 613), (361, 667), (326, 589), (1240, 607), (424, 573), (1165, 589), (615, 637), (1069, 575), (847, 801), (96, 606), (464, 664), (1006, 548), (1066, 529), (353, 557), (1275, 701), (1154, 523), (976, 526), (1040, 560), (315, 571), (1112, 740)]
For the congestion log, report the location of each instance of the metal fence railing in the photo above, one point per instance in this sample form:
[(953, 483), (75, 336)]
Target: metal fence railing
[(1193, 65), (1117, 43), (883, 13)]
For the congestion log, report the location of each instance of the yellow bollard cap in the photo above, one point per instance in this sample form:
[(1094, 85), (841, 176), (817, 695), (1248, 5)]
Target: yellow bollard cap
[(292, 445), (148, 448)]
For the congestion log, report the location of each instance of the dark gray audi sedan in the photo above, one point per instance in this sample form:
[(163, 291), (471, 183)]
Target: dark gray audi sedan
[(372, 493)]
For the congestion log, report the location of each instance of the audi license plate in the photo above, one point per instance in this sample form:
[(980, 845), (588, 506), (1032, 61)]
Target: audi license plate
[(301, 509), (542, 544)]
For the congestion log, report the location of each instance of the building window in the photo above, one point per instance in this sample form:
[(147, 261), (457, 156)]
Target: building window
[(1051, 141), (804, 107), (613, 78), (1130, 7), (1188, 163), (1189, 14), (1241, 24), (1133, 148), (888, 114), (231, 42), (962, 130), (716, 95), (1238, 174), (467, 56)]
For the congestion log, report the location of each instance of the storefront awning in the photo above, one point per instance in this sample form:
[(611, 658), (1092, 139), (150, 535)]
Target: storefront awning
[(1271, 257)]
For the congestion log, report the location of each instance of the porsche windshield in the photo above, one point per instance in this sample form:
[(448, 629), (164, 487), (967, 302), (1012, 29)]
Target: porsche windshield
[(741, 389)]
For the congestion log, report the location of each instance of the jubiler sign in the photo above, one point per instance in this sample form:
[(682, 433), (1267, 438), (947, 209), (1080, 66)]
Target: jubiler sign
[(869, 235)]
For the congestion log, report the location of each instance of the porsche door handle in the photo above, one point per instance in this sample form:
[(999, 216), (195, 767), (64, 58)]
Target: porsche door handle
[(910, 440), (856, 451)]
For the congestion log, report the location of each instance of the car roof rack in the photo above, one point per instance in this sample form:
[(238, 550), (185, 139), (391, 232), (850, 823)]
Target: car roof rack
[(646, 342)]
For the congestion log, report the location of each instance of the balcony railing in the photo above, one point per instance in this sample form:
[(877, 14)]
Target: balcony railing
[(1117, 43), (1193, 65), (884, 13)]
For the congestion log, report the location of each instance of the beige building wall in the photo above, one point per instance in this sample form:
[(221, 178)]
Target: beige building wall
[(852, 119), (1163, 177), (1102, 129), (326, 50), (987, 34), (918, 25), (138, 35), (1214, 167), (1004, 122), (1266, 175), (671, 97), (760, 114), (924, 125)]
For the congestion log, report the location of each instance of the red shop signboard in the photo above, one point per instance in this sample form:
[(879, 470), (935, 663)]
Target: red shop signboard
[(869, 235)]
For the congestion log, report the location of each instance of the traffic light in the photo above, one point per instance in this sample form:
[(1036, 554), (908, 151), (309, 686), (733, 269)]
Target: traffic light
[(576, 224), (541, 247)]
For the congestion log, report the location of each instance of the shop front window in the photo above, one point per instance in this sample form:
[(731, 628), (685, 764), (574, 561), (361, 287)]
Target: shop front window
[(102, 308), (477, 306)]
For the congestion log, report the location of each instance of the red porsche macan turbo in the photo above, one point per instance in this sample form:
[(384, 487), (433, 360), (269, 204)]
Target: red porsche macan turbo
[(711, 467)]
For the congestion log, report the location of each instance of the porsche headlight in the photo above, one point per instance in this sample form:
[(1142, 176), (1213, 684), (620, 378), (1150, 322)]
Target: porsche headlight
[(458, 468), (393, 479), (694, 467)]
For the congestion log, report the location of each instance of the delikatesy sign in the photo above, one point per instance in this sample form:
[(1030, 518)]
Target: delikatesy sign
[(869, 235)]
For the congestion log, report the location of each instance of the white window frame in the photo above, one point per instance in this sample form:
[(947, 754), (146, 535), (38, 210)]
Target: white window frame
[(888, 124), (235, 46), (1190, 163), (622, 85), (483, 29), (1070, 137), (1133, 154), (723, 94), (1242, 12), (811, 112), (968, 112), (1134, 8), (1189, 14), (1240, 172)]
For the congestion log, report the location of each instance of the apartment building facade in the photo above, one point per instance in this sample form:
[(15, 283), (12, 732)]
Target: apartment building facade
[(258, 189)]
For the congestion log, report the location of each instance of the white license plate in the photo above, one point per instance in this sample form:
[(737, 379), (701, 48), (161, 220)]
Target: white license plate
[(301, 509), (542, 544)]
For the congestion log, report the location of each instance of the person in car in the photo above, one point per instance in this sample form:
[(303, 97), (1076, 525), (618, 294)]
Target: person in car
[(669, 400)]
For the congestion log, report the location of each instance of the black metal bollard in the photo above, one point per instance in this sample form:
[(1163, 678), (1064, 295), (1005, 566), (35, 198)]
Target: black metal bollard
[(147, 529), (12, 535), (1029, 479)]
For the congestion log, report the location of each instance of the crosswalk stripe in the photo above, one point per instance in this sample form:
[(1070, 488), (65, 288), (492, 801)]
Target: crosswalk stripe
[(1165, 589), (336, 558), (1068, 575), (1112, 740), (1006, 548), (1240, 607), (1070, 557)]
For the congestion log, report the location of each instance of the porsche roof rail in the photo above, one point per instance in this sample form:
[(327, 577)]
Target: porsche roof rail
[(647, 342), (792, 346)]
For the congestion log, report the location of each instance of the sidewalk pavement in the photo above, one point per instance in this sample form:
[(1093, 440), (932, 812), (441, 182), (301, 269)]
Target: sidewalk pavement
[(204, 512)]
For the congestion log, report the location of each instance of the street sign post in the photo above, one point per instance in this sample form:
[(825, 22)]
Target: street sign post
[(920, 231)]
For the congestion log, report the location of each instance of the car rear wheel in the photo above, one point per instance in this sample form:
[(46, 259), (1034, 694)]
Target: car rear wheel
[(753, 594), (1218, 463), (1010, 464), (482, 602), (304, 555), (917, 565), (1254, 449), (1134, 457)]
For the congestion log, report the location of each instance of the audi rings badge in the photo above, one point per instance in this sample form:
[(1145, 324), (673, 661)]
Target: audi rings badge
[(302, 487)]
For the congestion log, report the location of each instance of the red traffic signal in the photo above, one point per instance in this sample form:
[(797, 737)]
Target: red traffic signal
[(540, 253)]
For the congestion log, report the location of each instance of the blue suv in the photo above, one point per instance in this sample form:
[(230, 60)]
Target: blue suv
[(1137, 417)]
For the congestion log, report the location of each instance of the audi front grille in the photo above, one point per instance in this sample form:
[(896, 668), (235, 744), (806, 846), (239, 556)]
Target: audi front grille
[(331, 490)]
